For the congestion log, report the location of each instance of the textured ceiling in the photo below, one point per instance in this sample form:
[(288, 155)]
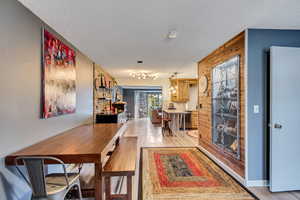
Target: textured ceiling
[(117, 33)]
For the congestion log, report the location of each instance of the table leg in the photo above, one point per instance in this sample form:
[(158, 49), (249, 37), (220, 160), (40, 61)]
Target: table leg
[(178, 124), (129, 187), (98, 181), (173, 124), (183, 124), (107, 188)]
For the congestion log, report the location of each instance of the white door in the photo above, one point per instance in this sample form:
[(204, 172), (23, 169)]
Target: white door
[(285, 119)]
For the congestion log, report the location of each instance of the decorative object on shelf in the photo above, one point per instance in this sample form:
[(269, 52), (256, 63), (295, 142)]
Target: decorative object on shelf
[(142, 75), (171, 106), (102, 81), (114, 82), (119, 106), (225, 106), (203, 84), (59, 77), (97, 83)]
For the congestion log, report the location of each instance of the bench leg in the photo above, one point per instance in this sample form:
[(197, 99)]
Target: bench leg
[(98, 181), (107, 188), (129, 187)]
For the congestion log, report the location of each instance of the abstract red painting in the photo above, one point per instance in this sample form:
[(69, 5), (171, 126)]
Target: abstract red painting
[(59, 77)]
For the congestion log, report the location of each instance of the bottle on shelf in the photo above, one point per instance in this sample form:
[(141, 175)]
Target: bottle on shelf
[(97, 82), (104, 80), (101, 80)]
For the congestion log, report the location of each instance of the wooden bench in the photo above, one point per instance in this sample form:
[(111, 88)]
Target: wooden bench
[(121, 163)]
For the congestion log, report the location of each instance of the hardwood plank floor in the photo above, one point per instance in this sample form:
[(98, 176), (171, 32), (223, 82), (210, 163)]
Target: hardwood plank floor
[(264, 194), (151, 136)]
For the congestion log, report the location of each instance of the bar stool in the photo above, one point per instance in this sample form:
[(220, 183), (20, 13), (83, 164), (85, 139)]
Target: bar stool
[(166, 126)]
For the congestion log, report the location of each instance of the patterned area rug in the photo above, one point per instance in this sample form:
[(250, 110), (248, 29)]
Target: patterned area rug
[(186, 174)]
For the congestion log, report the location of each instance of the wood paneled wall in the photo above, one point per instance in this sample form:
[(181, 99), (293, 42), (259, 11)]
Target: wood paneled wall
[(235, 46)]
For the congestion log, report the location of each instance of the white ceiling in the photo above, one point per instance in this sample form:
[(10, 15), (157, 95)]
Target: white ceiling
[(117, 33)]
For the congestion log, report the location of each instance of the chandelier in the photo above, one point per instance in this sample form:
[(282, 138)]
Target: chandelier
[(144, 75), (173, 89)]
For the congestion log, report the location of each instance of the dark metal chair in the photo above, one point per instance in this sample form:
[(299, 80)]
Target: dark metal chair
[(53, 186), (166, 126)]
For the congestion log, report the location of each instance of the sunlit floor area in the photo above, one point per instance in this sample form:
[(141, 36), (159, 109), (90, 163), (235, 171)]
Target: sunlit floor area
[(150, 135)]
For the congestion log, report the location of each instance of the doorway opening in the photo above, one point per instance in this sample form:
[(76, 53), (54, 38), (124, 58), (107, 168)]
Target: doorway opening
[(146, 102), (142, 101)]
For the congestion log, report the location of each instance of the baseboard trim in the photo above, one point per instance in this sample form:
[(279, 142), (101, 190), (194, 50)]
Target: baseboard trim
[(224, 166), (123, 129), (257, 183)]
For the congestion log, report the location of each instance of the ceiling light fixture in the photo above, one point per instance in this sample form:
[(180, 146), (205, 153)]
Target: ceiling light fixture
[(172, 34), (173, 89), (144, 75)]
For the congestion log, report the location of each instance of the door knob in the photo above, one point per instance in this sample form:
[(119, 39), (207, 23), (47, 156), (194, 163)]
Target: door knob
[(277, 126)]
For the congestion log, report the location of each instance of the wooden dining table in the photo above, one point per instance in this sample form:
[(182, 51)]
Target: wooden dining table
[(83, 144)]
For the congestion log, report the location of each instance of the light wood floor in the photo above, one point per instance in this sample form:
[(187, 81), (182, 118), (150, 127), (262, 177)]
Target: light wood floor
[(150, 136)]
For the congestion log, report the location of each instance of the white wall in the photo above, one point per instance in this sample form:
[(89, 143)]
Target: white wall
[(193, 97), (20, 92)]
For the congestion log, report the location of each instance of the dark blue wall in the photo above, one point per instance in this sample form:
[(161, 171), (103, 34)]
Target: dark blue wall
[(259, 43), (128, 96)]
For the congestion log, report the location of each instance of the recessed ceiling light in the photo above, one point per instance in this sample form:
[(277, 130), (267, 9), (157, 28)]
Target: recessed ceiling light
[(139, 61)]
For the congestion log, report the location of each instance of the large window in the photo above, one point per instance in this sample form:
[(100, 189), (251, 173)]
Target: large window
[(146, 101)]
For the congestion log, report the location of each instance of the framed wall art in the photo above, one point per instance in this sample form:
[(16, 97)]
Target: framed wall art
[(58, 77)]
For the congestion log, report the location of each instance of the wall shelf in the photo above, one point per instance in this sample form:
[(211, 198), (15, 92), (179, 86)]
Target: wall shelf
[(225, 106)]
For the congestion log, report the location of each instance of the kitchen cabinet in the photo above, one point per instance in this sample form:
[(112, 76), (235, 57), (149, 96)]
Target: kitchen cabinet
[(181, 89)]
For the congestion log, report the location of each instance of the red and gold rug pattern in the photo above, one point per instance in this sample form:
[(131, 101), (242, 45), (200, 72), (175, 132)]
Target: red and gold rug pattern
[(186, 173), (189, 175)]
